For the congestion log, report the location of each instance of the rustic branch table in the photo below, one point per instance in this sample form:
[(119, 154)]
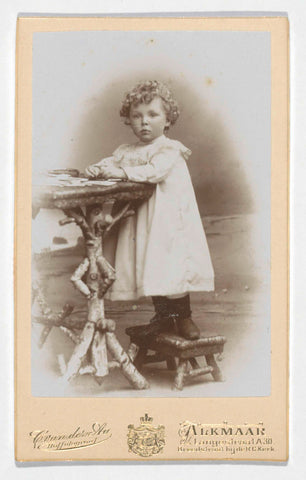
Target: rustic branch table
[(95, 336)]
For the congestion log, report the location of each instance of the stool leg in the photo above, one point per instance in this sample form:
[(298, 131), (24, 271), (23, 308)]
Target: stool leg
[(139, 359), (171, 363), (193, 362), (180, 373), (216, 373)]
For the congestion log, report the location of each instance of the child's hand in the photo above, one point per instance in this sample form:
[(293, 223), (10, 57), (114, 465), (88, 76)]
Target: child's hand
[(93, 171), (112, 172)]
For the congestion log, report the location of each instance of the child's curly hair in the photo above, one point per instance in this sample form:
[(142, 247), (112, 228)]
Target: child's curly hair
[(144, 92)]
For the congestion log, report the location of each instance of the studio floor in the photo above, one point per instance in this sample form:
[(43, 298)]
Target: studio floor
[(237, 309)]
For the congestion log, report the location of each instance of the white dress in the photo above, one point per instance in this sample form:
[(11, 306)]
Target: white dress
[(162, 249)]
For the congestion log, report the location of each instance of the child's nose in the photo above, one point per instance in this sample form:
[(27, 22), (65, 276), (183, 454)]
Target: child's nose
[(144, 120)]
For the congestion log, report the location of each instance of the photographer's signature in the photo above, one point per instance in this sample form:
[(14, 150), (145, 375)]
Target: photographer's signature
[(77, 438)]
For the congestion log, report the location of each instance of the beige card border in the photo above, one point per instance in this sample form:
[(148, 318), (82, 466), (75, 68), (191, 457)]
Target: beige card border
[(56, 414)]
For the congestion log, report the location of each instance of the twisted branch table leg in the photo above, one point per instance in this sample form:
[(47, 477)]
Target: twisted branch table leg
[(99, 276), (52, 319), (128, 369), (80, 351)]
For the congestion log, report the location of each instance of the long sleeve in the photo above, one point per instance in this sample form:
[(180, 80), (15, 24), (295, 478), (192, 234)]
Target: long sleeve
[(156, 169), (117, 157), (106, 162)]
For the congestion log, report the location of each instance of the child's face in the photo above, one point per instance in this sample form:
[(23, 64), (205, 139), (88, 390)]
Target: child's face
[(148, 120)]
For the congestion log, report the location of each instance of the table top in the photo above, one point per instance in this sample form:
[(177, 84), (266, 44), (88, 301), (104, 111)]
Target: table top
[(57, 196)]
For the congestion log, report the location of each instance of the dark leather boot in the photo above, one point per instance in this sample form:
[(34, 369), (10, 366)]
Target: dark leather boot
[(180, 307), (162, 320), (188, 329)]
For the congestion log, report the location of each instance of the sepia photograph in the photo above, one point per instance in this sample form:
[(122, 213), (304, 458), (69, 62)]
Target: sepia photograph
[(151, 214), (151, 239)]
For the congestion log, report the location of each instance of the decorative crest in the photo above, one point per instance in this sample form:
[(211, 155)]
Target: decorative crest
[(146, 419), (146, 440)]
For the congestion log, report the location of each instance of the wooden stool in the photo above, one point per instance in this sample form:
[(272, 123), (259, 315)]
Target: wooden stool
[(169, 347)]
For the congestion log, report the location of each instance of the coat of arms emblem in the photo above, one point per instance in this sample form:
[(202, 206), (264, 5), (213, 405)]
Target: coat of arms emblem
[(146, 440)]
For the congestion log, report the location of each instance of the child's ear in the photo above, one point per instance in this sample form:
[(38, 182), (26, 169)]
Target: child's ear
[(167, 124)]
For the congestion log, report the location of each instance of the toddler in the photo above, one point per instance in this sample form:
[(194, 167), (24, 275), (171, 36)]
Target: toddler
[(162, 250)]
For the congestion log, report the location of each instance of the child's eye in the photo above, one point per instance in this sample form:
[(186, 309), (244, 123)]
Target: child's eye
[(153, 114)]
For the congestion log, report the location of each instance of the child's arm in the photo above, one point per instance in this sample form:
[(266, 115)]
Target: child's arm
[(157, 169), (111, 172), (96, 170)]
